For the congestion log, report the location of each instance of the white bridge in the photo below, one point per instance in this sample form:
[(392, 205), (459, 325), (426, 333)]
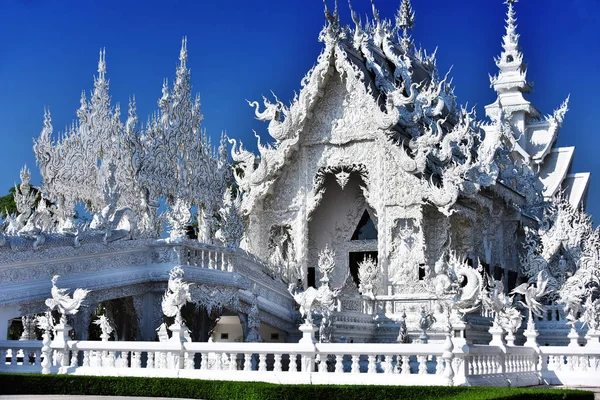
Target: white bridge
[(222, 278)]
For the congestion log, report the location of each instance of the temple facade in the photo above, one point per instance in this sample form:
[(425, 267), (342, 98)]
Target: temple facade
[(401, 209)]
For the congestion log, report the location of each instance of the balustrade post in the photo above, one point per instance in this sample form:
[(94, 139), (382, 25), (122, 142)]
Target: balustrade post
[(448, 355), (277, 363), (61, 336), (593, 339), (372, 368), (339, 363), (248, 362)]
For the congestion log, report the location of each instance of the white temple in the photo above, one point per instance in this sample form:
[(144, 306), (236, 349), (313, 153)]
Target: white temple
[(381, 206)]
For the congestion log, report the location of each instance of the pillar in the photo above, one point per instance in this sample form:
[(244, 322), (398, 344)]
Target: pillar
[(148, 310), (6, 314)]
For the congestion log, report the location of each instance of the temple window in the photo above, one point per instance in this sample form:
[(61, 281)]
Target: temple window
[(366, 229)]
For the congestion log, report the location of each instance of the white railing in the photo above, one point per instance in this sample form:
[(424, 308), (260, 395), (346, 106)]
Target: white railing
[(320, 363), (21, 355), (579, 366)]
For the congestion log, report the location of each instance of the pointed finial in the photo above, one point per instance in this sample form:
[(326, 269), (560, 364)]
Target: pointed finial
[(405, 18), (354, 15), (330, 18), (183, 53), (375, 12), (102, 63)]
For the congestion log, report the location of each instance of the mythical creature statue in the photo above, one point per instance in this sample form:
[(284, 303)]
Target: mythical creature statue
[(178, 216), (321, 300), (506, 316), (45, 322), (176, 295), (532, 294), (65, 304), (457, 282), (105, 326), (110, 216), (367, 274), (24, 198), (591, 313)]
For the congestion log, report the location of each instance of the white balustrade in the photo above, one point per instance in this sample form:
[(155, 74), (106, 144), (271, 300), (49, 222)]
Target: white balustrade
[(21, 355), (326, 363)]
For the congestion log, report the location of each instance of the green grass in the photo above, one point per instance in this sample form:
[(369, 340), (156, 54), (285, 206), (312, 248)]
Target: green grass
[(222, 390)]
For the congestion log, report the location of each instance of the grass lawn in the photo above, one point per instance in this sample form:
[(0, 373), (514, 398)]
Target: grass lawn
[(223, 390)]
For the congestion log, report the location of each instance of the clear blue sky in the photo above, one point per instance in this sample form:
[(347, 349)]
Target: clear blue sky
[(242, 49)]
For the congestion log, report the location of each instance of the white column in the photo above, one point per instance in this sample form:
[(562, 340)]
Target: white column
[(6, 314)]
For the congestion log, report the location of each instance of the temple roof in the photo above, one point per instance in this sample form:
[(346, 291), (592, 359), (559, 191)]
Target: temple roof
[(555, 168), (575, 187)]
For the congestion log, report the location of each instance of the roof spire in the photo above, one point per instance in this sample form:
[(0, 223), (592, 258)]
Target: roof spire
[(183, 53), (405, 17), (102, 63), (512, 74), (375, 12), (332, 30)]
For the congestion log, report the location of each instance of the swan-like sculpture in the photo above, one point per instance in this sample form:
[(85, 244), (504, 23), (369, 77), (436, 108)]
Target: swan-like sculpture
[(532, 294), (64, 303)]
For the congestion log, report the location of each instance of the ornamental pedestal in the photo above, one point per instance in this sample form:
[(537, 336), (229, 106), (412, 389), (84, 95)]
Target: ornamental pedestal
[(497, 336), (593, 339), (573, 337), (308, 333)]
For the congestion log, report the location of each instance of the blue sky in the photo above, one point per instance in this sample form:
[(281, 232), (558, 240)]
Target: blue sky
[(243, 49)]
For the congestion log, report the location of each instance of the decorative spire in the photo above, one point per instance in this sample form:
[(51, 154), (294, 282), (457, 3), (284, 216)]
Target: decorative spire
[(405, 18), (333, 30), (375, 12), (102, 63), (183, 55), (512, 74)]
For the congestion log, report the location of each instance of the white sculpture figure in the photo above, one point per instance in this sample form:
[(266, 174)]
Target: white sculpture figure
[(178, 217), (177, 294), (506, 317), (403, 332), (321, 300), (367, 274), (110, 216), (457, 282), (253, 334), (29, 322), (591, 314), (105, 326), (24, 199), (426, 321), (231, 228), (65, 304), (45, 322), (326, 295), (532, 293)]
